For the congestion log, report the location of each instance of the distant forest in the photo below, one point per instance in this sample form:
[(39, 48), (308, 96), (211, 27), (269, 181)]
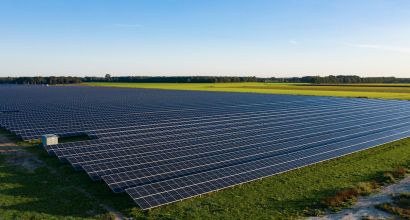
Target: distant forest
[(202, 79), (172, 79), (40, 80), (211, 79), (347, 79)]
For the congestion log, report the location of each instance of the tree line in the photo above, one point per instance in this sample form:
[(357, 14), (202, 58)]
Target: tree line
[(352, 79), (172, 79), (340, 79), (202, 79), (40, 80)]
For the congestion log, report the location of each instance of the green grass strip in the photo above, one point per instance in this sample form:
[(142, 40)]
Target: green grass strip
[(378, 91)]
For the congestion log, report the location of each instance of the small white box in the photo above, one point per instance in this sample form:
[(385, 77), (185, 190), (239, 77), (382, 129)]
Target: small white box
[(50, 139)]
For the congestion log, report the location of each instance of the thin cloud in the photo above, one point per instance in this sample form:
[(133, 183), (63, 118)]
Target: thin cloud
[(129, 25), (399, 49), (293, 42)]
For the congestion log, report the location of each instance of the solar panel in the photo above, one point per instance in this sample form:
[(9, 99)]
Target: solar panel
[(162, 146)]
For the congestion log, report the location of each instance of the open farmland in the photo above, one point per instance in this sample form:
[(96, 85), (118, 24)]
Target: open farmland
[(378, 91), (222, 139)]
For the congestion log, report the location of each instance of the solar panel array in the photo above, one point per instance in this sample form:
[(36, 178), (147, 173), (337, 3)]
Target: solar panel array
[(162, 146)]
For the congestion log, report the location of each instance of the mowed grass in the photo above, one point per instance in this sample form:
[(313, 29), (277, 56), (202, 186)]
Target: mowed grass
[(41, 195), (379, 91)]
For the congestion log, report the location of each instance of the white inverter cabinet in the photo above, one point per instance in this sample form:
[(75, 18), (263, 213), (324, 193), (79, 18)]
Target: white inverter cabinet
[(50, 139)]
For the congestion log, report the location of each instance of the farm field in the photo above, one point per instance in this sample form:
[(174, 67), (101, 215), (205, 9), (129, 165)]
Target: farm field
[(378, 91)]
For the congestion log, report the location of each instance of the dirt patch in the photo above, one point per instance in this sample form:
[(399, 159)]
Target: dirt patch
[(8, 147), (18, 156), (365, 206)]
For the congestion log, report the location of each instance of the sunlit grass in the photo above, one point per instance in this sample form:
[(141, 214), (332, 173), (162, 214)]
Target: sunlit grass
[(379, 91)]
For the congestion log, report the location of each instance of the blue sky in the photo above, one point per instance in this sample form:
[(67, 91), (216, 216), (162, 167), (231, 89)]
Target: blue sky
[(214, 38)]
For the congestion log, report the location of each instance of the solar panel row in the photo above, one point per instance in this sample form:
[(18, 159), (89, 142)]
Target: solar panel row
[(160, 193), (162, 146)]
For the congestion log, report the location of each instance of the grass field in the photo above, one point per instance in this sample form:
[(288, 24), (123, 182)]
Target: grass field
[(41, 195), (379, 91), (284, 196)]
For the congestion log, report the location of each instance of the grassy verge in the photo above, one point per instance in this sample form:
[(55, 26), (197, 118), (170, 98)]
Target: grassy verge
[(379, 91), (345, 198), (401, 207)]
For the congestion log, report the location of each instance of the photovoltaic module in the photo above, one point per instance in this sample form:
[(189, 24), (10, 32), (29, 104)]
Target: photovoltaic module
[(162, 146)]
